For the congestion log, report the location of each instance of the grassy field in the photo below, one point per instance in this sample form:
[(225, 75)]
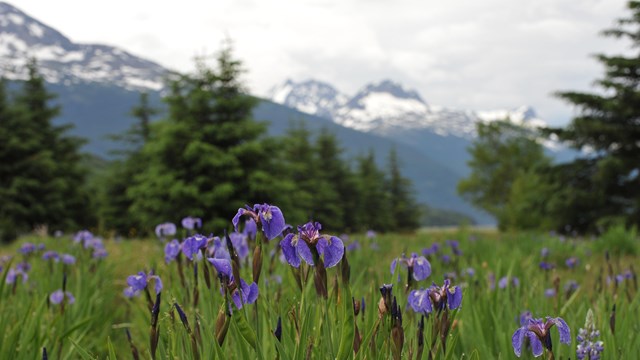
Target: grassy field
[(594, 274)]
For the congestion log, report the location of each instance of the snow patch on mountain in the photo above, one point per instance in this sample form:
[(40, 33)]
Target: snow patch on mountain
[(387, 106), (62, 61), (310, 96)]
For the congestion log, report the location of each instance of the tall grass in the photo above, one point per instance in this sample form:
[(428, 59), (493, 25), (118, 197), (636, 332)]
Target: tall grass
[(96, 325)]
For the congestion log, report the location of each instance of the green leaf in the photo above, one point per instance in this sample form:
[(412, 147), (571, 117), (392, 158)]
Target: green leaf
[(243, 327), (345, 351), (84, 354), (112, 351)]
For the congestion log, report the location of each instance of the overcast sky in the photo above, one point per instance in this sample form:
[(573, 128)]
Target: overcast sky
[(464, 54)]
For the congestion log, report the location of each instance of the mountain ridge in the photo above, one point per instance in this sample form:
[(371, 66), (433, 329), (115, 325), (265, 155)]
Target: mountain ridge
[(378, 106), (62, 61)]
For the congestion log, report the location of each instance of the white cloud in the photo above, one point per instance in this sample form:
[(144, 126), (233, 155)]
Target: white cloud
[(464, 54)]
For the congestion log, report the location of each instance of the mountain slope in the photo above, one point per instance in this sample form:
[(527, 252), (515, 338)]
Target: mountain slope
[(63, 62)]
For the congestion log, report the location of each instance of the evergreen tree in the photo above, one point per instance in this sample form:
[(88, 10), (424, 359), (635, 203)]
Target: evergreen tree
[(114, 204), (332, 199), (43, 180), (299, 166), (501, 154), (208, 158), (608, 126), (404, 210), (374, 204)]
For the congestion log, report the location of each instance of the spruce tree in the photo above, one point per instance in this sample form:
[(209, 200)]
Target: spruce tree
[(114, 204), (332, 200), (374, 204), (44, 181), (208, 157), (404, 210), (299, 166), (608, 128)]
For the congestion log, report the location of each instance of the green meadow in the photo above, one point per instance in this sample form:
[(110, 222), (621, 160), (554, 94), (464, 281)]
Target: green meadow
[(101, 318)]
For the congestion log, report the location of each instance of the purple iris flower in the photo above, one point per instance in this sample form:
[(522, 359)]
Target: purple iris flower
[(222, 266), (242, 294), (171, 250), (240, 244), (191, 223), (192, 245), (544, 252), (23, 266), (51, 255), (13, 274), (432, 250), (59, 296), (445, 296), (268, 216), (355, 245), (82, 236), (138, 283), (571, 262), (571, 286), (524, 318), (455, 247), (165, 229), (537, 331), (546, 266), (99, 254), (299, 246), (504, 282), (27, 248), (445, 258), (470, 272), (246, 294), (420, 301), (218, 249), (68, 259), (250, 228), (419, 266), (93, 243), (551, 292), (371, 234)]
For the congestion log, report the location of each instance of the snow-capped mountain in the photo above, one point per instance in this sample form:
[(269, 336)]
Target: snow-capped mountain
[(62, 61), (311, 97), (387, 106)]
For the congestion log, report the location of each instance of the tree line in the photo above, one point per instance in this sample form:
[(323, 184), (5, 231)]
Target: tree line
[(205, 157), (513, 179)]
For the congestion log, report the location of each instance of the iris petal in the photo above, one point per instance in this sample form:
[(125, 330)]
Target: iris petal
[(454, 298), (304, 252), (223, 266), (536, 344), (289, 250), (236, 218), (332, 248), (517, 340), (421, 268), (563, 329), (273, 224)]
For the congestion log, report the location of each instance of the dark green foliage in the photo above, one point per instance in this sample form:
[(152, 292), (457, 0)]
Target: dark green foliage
[(374, 204), (606, 180), (298, 165), (504, 159), (41, 180), (114, 204), (404, 210), (208, 157)]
